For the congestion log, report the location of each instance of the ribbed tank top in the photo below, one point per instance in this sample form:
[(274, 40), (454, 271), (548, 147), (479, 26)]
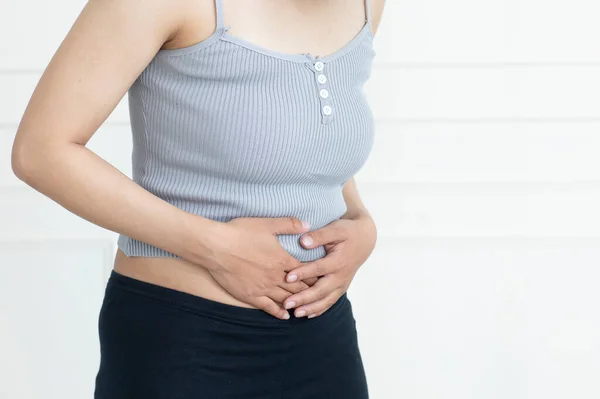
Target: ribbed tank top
[(225, 128)]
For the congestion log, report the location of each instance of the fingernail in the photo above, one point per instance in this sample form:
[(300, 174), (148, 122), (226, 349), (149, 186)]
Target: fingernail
[(306, 225), (312, 315), (290, 305), (307, 240), (291, 278), (286, 316), (300, 313)]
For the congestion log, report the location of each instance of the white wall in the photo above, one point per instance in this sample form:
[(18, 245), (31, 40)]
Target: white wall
[(484, 182)]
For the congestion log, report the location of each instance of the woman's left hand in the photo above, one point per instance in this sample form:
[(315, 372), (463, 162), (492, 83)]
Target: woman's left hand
[(348, 242)]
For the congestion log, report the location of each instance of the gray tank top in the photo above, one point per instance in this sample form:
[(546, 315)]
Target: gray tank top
[(225, 128)]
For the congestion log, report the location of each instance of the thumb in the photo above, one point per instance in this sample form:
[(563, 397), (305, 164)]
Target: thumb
[(288, 225)]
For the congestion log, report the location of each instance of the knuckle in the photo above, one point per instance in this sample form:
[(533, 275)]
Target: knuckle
[(321, 291), (317, 235), (268, 264), (261, 302), (264, 305)]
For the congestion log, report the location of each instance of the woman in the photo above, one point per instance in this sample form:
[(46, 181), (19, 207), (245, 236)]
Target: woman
[(242, 228)]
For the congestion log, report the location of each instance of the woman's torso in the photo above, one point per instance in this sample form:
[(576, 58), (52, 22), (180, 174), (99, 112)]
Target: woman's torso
[(288, 146)]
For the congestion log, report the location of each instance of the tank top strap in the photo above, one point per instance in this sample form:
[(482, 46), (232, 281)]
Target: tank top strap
[(368, 11), (219, 12)]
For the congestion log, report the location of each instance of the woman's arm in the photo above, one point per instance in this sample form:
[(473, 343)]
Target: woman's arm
[(355, 207), (107, 48)]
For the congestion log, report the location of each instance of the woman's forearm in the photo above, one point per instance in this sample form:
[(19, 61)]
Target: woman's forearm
[(355, 207), (106, 49), (85, 184)]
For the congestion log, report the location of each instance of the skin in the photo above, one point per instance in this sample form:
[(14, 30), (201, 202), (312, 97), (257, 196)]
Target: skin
[(348, 242), (239, 262)]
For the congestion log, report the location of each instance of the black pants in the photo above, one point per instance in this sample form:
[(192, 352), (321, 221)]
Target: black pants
[(159, 343)]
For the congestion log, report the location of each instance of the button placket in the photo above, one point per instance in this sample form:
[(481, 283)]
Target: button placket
[(323, 91)]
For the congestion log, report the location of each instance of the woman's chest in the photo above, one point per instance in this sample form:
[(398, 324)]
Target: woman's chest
[(266, 119)]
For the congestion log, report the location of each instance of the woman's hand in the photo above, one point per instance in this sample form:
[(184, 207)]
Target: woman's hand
[(248, 261), (348, 242)]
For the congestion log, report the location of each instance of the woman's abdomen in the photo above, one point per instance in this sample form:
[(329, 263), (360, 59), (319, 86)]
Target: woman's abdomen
[(176, 274)]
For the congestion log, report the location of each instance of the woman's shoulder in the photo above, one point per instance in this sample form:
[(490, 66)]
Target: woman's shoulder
[(195, 21)]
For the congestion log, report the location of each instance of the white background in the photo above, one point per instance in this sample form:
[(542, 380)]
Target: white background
[(484, 182)]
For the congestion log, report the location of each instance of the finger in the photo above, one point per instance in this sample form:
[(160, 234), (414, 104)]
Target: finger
[(288, 225), (316, 268), (279, 295), (294, 288), (319, 307), (269, 306), (322, 288), (325, 235)]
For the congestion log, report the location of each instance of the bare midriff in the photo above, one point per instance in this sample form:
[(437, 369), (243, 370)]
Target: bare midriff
[(176, 274)]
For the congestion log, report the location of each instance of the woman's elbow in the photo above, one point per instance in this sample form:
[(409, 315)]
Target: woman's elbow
[(19, 161), (26, 160)]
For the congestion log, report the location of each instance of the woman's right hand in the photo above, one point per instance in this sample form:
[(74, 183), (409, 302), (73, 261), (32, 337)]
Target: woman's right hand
[(248, 261)]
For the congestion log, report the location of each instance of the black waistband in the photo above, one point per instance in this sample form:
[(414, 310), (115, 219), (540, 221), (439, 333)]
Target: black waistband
[(199, 304)]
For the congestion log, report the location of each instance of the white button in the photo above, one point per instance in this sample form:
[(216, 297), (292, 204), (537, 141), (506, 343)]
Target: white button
[(324, 93), (327, 110), (319, 66), (322, 79)]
